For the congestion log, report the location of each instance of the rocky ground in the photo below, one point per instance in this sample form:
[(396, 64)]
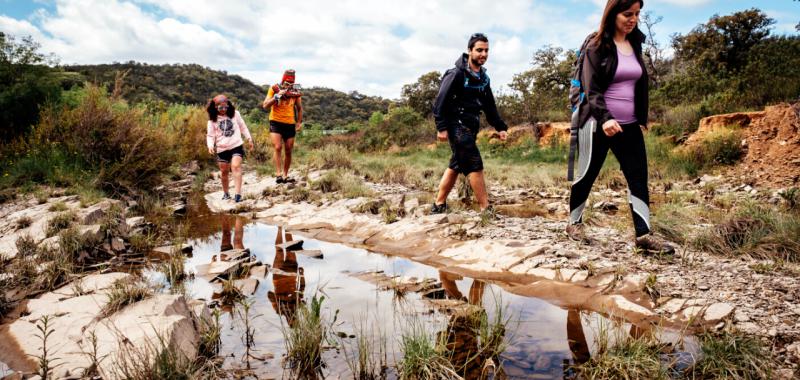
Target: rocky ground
[(532, 256)]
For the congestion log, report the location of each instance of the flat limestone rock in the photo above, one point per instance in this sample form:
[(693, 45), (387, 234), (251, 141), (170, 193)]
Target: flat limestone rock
[(315, 253), (248, 286), (217, 268), (259, 271), (167, 249), (73, 317), (291, 245)]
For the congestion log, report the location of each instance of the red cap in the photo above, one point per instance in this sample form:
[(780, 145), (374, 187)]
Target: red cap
[(288, 76)]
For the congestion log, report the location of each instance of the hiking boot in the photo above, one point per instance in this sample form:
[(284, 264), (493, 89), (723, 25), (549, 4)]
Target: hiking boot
[(577, 232), (439, 209), (289, 180), (237, 198), (226, 196), (650, 244), (280, 180)]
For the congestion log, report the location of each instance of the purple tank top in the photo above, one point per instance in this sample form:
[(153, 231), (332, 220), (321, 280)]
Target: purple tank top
[(619, 96)]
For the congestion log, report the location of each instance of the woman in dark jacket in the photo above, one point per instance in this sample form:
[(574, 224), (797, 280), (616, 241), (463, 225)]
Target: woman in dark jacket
[(612, 116)]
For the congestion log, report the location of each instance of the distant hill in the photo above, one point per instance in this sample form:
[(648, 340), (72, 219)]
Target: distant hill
[(195, 84)]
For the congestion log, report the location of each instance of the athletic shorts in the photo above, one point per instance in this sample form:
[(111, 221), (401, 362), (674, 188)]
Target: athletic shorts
[(227, 155), (286, 131), (466, 158)]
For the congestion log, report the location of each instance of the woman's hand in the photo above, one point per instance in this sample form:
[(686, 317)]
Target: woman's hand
[(441, 135), (250, 144), (298, 126), (611, 128), (211, 150), (503, 135)]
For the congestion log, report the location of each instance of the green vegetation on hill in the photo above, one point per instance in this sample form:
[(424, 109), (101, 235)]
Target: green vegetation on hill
[(195, 84)]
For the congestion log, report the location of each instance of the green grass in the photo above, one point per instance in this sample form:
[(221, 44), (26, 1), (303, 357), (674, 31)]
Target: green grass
[(125, 292), (60, 222), (755, 230), (423, 356), (345, 183), (732, 355), (305, 337), (624, 357)]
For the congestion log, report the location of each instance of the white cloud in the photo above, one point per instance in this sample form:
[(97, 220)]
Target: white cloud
[(346, 44)]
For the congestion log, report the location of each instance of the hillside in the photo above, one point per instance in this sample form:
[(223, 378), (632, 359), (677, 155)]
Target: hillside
[(195, 84)]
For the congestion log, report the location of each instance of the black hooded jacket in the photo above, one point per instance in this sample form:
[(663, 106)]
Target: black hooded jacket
[(462, 96), (599, 67)]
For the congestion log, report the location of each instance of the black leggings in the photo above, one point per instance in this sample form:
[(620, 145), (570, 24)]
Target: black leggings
[(629, 149)]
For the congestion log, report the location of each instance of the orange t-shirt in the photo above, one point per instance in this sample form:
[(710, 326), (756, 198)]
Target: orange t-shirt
[(282, 112)]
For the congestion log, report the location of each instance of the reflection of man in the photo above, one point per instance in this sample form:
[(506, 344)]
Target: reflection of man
[(576, 340), (238, 233), (462, 329), (287, 280)]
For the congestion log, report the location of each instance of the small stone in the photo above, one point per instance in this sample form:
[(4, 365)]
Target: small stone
[(456, 219), (703, 287)]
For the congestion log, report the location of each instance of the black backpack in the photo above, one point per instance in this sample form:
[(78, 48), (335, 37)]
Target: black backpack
[(577, 94)]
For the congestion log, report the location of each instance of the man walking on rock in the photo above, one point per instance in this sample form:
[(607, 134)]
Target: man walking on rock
[(463, 94)]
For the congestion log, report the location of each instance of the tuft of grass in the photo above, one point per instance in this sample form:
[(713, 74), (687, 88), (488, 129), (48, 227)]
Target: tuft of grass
[(423, 356), (125, 292), (651, 287), (361, 359), (26, 246), (390, 214), (300, 194), (210, 335), (345, 183), (230, 294), (157, 361), (58, 207), (732, 355), (173, 268), (333, 156), (60, 222), (624, 357), (303, 340), (755, 230), (719, 147), (24, 222)]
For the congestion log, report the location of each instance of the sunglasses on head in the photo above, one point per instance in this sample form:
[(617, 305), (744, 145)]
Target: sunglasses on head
[(477, 35)]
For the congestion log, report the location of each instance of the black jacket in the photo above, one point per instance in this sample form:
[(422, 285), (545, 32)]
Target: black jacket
[(599, 66), (462, 96)]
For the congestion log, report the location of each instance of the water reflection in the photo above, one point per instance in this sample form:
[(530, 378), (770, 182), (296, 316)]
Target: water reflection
[(238, 233), (288, 280)]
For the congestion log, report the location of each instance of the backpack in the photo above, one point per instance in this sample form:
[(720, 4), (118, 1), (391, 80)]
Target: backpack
[(576, 97)]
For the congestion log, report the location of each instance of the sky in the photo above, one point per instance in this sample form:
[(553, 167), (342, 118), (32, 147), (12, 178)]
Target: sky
[(373, 47)]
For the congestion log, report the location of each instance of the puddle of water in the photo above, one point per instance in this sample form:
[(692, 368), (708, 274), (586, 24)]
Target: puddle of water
[(544, 340)]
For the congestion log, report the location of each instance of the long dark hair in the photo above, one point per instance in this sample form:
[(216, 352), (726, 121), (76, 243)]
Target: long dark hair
[(211, 108), (608, 25)]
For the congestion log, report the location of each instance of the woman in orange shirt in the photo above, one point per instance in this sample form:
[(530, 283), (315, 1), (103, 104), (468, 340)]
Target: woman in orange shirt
[(285, 120)]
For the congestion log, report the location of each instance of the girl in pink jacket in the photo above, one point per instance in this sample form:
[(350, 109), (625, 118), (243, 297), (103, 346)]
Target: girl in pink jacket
[(225, 137)]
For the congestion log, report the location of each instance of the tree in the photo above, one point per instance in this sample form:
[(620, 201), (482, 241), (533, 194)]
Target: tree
[(26, 83), (653, 51), (722, 44), (421, 94), (543, 89)]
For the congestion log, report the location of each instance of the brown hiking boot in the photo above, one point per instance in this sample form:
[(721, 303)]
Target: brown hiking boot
[(577, 232), (650, 244)]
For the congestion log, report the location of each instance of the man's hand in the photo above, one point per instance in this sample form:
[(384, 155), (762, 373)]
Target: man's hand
[(250, 145), (503, 135), (211, 150), (441, 135), (611, 128), (298, 126)]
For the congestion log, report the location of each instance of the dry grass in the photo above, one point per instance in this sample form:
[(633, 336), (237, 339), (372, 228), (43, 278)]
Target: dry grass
[(123, 293)]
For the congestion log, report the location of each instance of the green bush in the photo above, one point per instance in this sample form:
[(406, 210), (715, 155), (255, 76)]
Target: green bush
[(401, 126), (679, 120)]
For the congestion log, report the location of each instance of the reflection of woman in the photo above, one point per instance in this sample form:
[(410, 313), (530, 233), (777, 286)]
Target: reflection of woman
[(287, 280), (224, 137), (238, 233), (615, 82), (462, 329)]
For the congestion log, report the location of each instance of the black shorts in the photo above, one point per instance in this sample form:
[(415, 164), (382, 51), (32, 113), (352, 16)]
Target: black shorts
[(466, 158), (227, 155), (286, 131)]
